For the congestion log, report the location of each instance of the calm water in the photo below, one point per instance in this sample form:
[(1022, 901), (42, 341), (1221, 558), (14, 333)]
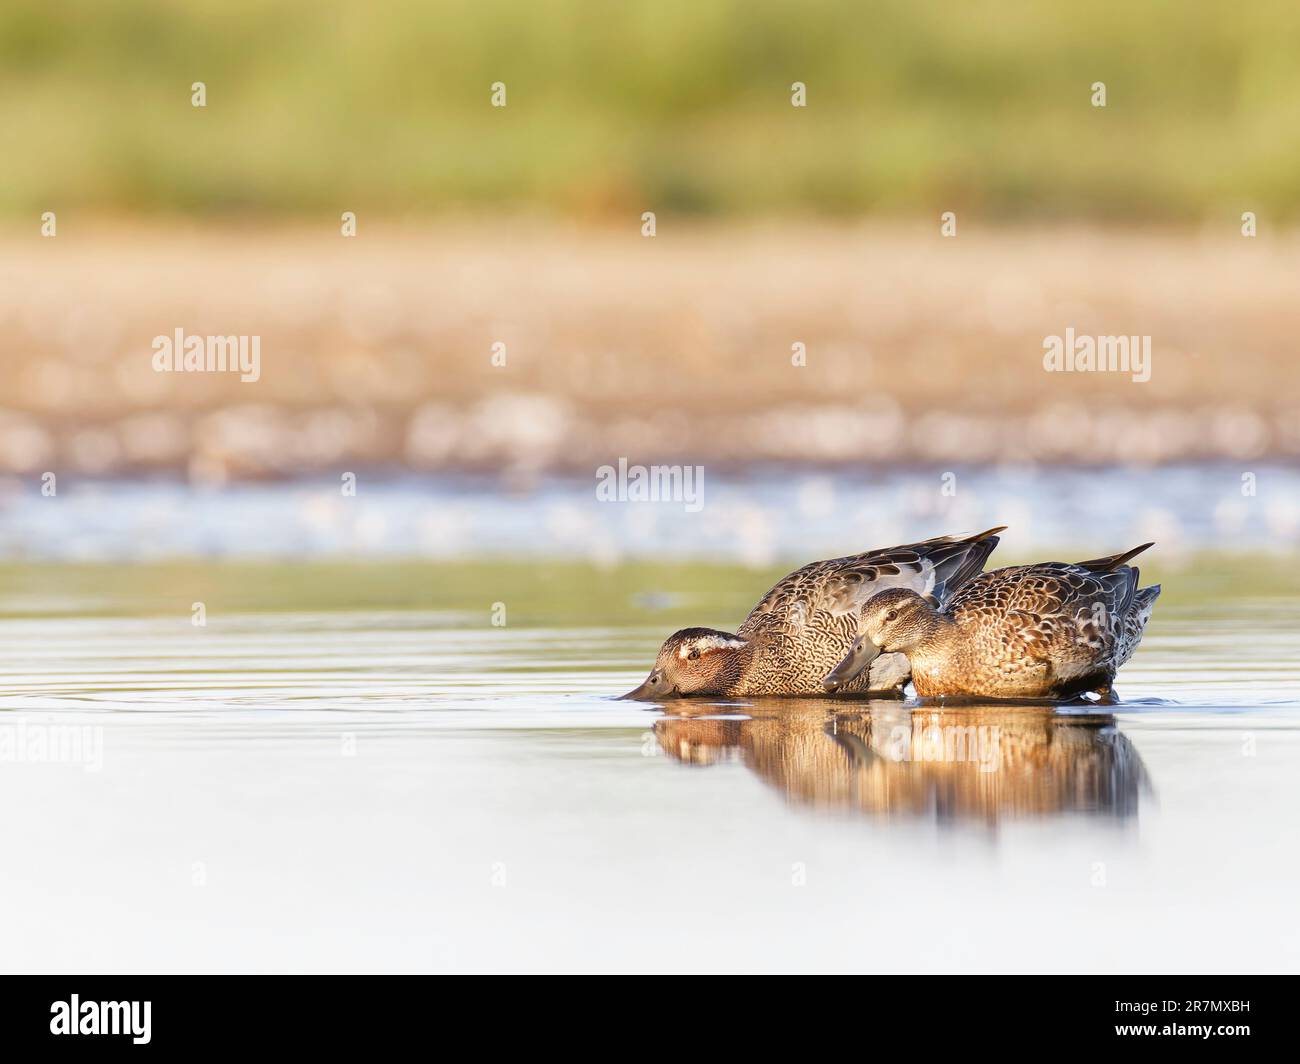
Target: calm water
[(419, 791)]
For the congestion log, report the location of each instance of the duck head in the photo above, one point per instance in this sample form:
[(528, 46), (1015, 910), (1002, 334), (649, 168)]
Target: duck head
[(695, 661), (893, 622)]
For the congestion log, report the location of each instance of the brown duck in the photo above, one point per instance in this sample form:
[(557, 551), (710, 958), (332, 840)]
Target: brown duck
[(809, 620), (1050, 630)]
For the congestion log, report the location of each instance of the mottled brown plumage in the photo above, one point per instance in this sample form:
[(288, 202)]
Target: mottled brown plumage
[(807, 622), (1049, 630)]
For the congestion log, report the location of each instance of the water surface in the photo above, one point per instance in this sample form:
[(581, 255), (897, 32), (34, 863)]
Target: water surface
[(414, 789)]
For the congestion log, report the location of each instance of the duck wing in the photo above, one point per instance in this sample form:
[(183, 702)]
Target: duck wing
[(1077, 617), (840, 587)]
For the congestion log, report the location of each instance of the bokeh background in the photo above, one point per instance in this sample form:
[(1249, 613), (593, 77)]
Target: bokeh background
[(680, 105), (776, 225)]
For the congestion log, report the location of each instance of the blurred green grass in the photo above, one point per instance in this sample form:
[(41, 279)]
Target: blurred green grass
[(676, 106), (536, 592)]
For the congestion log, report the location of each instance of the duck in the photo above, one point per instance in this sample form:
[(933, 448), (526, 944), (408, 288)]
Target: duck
[(809, 621), (1053, 630)]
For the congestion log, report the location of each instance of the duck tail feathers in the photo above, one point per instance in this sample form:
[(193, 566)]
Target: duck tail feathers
[(1114, 561), (982, 535)]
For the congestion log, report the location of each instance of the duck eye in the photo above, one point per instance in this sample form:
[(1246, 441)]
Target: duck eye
[(693, 655), (892, 615)]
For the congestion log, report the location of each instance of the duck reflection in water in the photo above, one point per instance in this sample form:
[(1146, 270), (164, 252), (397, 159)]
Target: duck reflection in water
[(977, 762)]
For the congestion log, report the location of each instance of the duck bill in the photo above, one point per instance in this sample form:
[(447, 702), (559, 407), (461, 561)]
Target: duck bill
[(654, 689), (860, 655)]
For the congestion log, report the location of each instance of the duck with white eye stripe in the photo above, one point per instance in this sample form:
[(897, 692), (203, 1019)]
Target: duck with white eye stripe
[(808, 622)]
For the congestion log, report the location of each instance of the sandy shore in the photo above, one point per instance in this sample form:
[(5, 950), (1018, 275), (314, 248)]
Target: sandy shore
[(679, 348)]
